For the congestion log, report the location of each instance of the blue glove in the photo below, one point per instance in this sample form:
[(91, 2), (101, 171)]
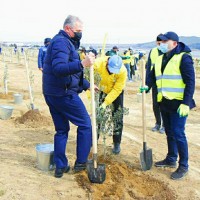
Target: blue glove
[(183, 110)]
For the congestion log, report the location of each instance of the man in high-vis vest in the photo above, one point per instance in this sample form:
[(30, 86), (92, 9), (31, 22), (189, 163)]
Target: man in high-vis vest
[(175, 79), (126, 61), (153, 55)]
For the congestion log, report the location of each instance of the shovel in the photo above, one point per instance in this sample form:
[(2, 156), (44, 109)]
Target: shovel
[(146, 159), (96, 172)]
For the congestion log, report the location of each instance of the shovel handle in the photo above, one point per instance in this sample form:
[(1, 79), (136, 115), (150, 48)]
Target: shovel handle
[(143, 101), (94, 131)]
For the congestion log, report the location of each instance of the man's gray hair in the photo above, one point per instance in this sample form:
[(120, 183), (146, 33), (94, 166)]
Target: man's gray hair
[(71, 20)]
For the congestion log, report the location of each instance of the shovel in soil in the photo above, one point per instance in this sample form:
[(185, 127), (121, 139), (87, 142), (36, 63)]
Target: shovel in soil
[(146, 159), (96, 172)]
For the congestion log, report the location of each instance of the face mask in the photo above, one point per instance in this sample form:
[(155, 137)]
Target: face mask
[(77, 36), (163, 47), (158, 46)]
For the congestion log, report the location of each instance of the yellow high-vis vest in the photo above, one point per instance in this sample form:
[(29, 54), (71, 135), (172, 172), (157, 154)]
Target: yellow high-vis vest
[(128, 60), (169, 84), (153, 56)]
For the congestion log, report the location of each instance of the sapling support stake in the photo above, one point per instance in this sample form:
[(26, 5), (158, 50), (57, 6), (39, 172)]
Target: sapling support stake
[(29, 83), (5, 79)]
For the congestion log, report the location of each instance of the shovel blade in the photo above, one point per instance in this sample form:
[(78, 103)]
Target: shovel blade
[(146, 159), (96, 175)]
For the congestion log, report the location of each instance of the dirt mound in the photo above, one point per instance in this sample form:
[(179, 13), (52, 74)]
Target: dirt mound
[(34, 119), (125, 182), (6, 96)]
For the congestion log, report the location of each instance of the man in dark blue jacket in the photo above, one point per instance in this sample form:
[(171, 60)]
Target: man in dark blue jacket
[(175, 79), (63, 80), (42, 53)]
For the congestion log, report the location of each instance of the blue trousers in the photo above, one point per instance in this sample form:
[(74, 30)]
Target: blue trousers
[(65, 109), (127, 65), (176, 139)]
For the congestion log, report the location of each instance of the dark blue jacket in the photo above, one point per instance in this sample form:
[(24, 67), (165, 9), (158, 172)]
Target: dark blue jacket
[(41, 56), (62, 71), (188, 76)]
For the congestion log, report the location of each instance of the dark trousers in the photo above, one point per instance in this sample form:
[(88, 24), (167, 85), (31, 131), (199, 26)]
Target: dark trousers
[(156, 106), (64, 109), (132, 70), (117, 127), (176, 139)]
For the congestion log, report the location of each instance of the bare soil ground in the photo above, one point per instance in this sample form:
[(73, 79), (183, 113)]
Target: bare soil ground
[(21, 179)]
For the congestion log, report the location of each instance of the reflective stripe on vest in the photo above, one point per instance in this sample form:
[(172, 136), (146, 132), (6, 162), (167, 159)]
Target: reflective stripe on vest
[(153, 56), (170, 84)]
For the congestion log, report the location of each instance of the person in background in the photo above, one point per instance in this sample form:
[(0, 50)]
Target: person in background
[(113, 51), (153, 55), (22, 49), (136, 57), (63, 81), (42, 53), (15, 49), (82, 53), (0, 49), (113, 79), (127, 60), (175, 80), (93, 50), (132, 67)]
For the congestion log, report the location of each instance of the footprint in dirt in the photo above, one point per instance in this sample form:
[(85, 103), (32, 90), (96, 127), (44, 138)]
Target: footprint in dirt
[(123, 182)]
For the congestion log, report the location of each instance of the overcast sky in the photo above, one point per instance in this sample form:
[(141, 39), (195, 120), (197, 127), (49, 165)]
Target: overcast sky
[(126, 21)]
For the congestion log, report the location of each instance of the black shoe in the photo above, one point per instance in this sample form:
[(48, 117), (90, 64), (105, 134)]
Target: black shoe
[(59, 171), (165, 163), (156, 128), (179, 173), (162, 130), (116, 149), (79, 167)]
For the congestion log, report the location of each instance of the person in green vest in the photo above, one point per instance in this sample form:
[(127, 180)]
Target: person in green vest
[(153, 55), (113, 51), (175, 79)]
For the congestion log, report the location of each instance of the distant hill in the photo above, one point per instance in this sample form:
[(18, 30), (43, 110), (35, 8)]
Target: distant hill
[(193, 42)]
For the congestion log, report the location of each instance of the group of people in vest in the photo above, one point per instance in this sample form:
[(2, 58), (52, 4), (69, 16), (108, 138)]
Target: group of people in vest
[(130, 61), (170, 73)]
